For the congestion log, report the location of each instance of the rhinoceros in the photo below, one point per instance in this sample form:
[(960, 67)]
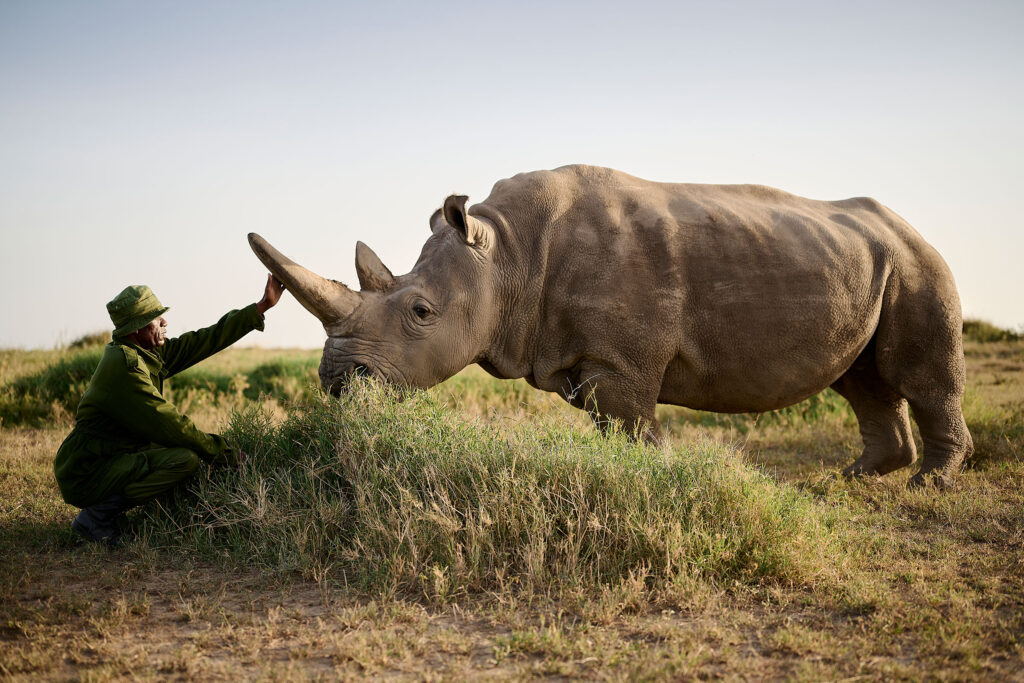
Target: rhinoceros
[(620, 293)]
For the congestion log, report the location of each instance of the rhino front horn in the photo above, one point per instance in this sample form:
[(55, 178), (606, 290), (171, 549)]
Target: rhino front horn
[(328, 300)]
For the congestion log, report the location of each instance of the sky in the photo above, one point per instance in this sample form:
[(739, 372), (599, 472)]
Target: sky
[(141, 142)]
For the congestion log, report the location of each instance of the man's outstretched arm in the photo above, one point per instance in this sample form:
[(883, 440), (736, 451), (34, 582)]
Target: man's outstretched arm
[(190, 348)]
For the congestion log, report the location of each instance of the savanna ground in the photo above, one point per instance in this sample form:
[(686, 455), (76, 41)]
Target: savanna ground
[(483, 529)]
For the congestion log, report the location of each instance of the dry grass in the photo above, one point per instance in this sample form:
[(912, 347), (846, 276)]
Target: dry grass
[(931, 585)]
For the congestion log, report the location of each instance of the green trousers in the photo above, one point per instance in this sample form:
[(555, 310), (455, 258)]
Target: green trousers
[(167, 468)]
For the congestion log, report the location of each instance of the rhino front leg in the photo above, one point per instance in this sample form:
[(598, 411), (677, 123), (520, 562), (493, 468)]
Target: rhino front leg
[(615, 399)]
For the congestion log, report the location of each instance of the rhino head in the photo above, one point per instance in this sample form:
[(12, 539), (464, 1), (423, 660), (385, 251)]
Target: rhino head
[(417, 329)]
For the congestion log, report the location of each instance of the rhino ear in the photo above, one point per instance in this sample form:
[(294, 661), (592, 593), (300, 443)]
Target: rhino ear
[(373, 275), (474, 231), (437, 222)]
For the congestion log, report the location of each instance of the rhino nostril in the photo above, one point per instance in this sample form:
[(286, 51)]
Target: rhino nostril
[(361, 371)]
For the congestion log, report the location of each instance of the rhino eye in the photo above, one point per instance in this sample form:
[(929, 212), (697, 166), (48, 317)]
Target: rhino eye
[(421, 311)]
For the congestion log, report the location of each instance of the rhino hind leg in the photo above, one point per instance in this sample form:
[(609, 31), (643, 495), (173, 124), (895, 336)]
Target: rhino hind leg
[(923, 360), (882, 417), (947, 442)]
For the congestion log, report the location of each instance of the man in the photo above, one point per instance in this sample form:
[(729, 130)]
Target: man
[(130, 444)]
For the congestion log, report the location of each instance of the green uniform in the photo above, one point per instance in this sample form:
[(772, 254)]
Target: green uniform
[(128, 439)]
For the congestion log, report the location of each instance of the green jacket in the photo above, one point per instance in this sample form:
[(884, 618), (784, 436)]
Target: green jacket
[(123, 411)]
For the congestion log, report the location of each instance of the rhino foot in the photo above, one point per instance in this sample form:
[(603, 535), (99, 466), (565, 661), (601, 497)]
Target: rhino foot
[(858, 470), (873, 464), (942, 481)]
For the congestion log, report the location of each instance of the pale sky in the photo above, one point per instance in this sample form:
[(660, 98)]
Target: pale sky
[(141, 142)]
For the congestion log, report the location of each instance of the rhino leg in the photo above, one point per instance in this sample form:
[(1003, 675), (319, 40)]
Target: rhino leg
[(614, 399), (882, 417), (947, 442), (920, 354)]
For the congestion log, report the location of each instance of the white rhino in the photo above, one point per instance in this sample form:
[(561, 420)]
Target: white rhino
[(620, 293)]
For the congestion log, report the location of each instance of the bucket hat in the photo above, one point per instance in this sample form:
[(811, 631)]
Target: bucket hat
[(134, 308)]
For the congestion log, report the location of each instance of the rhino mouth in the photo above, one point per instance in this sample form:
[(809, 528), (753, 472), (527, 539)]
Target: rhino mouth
[(345, 359), (336, 380)]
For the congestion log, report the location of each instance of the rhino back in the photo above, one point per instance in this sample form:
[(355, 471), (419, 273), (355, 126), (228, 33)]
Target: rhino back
[(732, 297)]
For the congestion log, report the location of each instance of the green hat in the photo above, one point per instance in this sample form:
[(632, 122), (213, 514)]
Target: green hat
[(134, 308)]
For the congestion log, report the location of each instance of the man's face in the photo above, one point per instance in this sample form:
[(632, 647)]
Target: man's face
[(152, 335)]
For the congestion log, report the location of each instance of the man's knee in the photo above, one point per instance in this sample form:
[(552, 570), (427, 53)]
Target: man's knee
[(192, 462), (180, 463), (180, 460), (168, 467)]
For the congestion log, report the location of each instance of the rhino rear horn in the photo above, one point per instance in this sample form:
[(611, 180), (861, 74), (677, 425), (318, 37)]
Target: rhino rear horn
[(437, 222), (328, 300), (474, 231), (373, 274)]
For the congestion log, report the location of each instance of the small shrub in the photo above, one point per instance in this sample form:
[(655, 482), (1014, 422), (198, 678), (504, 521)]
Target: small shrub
[(982, 332), (92, 339)]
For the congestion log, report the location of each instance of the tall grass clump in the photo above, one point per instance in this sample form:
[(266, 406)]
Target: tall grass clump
[(394, 492)]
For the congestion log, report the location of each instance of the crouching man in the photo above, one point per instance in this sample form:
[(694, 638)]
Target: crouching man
[(130, 444)]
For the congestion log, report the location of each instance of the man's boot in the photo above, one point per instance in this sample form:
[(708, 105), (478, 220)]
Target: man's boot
[(103, 522)]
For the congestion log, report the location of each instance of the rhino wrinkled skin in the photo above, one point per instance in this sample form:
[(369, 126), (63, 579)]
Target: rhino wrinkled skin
[(619, 293)]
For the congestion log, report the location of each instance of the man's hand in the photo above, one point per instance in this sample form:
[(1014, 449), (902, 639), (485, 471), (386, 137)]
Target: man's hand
[(271, 295)]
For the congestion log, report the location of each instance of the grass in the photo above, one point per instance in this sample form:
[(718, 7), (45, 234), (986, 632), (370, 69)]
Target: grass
[(393, 495), (485, 529)]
